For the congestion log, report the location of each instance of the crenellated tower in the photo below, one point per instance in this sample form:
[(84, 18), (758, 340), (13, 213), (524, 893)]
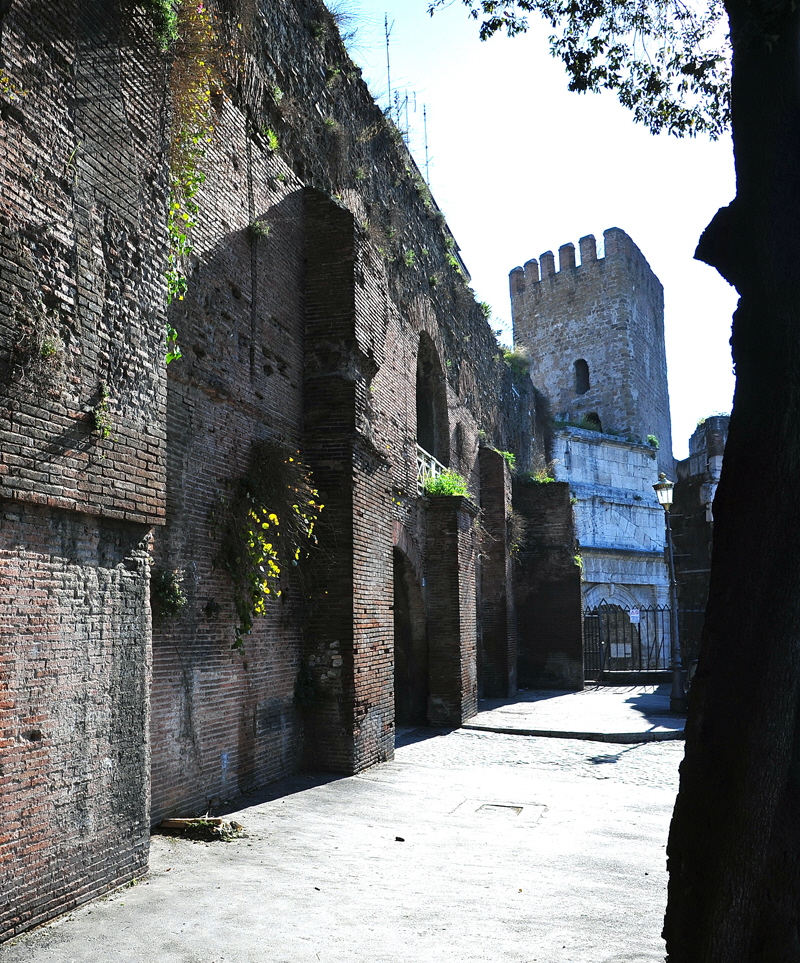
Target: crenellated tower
[(595, 335)]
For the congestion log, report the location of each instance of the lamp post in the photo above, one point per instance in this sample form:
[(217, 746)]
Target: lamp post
[(677, 698)]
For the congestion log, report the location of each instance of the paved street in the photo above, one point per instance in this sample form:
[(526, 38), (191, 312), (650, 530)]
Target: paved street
[(471, 846)]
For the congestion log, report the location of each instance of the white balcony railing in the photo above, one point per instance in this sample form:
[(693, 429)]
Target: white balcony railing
[(427, 468)]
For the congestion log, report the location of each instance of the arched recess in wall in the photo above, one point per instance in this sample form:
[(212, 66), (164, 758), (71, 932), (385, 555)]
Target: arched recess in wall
[(612, 595), (593, 422), (411, 660), (581, 376), (433, 430)]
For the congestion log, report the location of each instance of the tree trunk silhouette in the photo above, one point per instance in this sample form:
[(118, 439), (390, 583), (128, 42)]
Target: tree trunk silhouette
[(734, 844)]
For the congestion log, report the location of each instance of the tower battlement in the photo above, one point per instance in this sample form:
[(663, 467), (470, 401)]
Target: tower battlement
[(617, 246)]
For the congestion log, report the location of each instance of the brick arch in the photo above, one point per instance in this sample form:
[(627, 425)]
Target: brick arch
[(411, 652), (420, 312), (404, 540), (433, 422)]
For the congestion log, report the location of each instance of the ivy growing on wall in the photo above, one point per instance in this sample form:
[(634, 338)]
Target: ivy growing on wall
[(186, 28), (193, 80), (165, 20), (269, 530)]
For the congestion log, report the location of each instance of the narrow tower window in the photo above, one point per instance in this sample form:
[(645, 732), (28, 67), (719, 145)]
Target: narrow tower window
[(581, 377)]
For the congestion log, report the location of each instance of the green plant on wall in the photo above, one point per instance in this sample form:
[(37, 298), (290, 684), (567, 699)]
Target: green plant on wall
[(510, 457), (516, 532), (165, 20), (167, 598), (257, 229), (539, 476), (270, 529), (192, 81), (9, 89), (272, 139), (446, 483), (173, 350), (518, 360), (653, 442), (102, 422)]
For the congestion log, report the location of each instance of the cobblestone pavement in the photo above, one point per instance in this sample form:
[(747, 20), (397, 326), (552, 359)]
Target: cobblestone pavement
[(471, 847)]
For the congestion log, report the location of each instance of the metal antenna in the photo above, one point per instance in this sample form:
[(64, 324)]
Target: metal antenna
[(427, 158), (388, 31)]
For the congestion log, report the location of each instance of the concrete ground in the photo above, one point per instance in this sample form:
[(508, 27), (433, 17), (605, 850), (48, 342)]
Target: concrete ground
[(471, 846), (623, 714)]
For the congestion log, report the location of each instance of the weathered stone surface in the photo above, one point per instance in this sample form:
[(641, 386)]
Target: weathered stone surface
[(595, 336), (609, 313), (698, 477)]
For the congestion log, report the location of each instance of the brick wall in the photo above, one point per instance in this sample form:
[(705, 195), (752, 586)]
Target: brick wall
[(74, 671), (225, 721), (81, 317), (82, 259), (692, 513), (498, 640), (307, 337), (547, 585), (451, 601)]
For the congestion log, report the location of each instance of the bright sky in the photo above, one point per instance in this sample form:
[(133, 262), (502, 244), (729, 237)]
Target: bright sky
[(519, 166)]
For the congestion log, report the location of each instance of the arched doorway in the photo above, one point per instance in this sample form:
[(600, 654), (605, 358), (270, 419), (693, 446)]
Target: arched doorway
[(411, 687), (433, 430)]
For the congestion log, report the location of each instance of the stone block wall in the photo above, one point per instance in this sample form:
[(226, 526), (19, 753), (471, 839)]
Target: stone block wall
[(618, 521), (609, 313)]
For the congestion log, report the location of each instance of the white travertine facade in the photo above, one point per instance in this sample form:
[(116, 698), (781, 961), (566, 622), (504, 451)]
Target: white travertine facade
[(619, 523)]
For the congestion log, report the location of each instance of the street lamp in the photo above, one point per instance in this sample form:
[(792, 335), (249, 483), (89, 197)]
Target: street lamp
[(677, 699)]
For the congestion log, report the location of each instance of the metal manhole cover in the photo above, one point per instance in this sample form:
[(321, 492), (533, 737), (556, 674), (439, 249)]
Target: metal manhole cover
[(500, 809), (526, 813)]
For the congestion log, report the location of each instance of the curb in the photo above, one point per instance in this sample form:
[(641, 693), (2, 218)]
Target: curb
[(624, 738)]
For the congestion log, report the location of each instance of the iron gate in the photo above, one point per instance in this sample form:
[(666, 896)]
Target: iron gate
[(621, 639)]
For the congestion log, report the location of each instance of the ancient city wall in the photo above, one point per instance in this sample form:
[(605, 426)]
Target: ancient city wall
[(320, 270), (307, 335), (82, 447)]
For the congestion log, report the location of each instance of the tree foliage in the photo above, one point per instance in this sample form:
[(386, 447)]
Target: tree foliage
[(667, 60)]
